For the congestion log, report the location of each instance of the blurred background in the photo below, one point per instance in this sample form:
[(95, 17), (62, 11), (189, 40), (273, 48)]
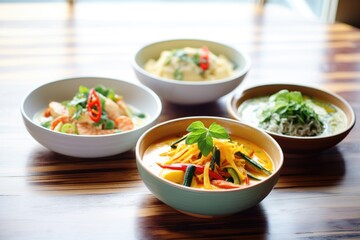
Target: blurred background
[(347, 11)]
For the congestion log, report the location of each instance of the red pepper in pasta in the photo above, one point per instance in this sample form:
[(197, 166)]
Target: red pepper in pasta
[(204, 58)]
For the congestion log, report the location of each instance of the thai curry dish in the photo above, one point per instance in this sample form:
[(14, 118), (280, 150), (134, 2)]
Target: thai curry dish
[(190, 64), (294, 114), (208, 158), (95, 111)]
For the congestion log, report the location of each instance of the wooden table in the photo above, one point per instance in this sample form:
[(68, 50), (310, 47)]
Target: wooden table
[(44, 195)]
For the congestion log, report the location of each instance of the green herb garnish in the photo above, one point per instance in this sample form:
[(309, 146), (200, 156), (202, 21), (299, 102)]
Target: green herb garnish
[(290, 113), (178, 75), (78, 105), (203, 136), (180, 53), (196, 59), (46, 124), (288, 104)]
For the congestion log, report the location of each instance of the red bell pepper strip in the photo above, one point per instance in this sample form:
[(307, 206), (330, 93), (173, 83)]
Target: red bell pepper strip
[(199, 169), (247, 180), (94, 106), (224, 184), (224, 174), (204, 58)]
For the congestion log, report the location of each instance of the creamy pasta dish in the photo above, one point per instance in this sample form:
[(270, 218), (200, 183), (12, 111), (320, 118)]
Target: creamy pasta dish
[(190, 64)]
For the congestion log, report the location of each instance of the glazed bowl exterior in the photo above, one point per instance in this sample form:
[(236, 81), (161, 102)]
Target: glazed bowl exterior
[(88, 146), (190, 92), (208, 203), (291, 144)]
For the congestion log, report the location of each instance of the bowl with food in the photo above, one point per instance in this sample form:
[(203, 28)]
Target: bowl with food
[(303, 119), (89, 116), (190, 71), (226, 164)]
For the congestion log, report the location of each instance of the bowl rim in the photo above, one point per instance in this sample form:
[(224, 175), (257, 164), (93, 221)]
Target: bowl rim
[(235, 97), (236, 74), (148, 90), (196, 190)]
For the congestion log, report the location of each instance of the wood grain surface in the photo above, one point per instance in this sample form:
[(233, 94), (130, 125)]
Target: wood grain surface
[(44, 195)]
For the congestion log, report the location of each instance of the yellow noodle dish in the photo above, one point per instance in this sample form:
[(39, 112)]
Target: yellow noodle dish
[(209, 158), (190, 64)]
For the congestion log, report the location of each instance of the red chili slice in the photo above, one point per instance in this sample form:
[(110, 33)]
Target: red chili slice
[(204, 58), (94, 106)]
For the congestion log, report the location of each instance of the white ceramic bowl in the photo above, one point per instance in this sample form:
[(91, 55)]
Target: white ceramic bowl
[(88, 146), (292, 145), (185, 92), (208, 203)]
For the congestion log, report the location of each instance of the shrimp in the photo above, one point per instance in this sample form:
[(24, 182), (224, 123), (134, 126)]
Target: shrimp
[(89, 129), (124, 123), (57, 109), (112, 109), (121, 103)]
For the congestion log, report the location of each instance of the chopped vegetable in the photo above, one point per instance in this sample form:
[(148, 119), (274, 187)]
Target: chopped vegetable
[(175, 176), (199, 169), (204, 58), (68, 128), (178, 75), (224, 184), (253, 176), (253, 163), (94, 106), (47, 112), (174, 144), (189, 173), (56, 121), (215, 158), (141, 115), (109, 124), (234, 175)]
